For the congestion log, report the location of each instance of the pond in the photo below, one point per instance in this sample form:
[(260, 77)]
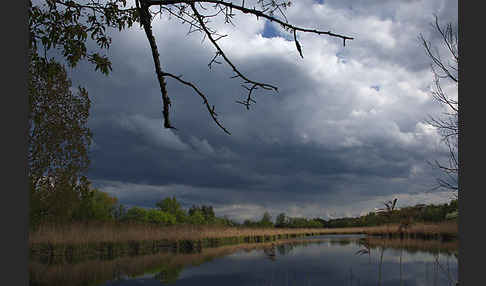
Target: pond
[(319, 260)]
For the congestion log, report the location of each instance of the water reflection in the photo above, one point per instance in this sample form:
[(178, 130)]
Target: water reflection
[(324, 260)]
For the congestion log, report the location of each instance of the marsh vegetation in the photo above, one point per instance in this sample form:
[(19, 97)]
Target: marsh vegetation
[(301, 261)]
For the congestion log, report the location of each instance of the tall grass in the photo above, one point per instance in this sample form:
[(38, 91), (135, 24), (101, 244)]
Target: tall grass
[(82, 233)]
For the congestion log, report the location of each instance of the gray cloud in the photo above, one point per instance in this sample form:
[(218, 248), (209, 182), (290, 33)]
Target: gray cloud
[(343, 133)]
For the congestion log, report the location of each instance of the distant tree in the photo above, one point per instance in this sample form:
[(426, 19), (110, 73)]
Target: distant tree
[(172, 206), (97, 205), (266, 220), (66, 25), (119, 212), (208, 213), (248, 223), (314, 223), (225, 220), (137, 214), (197, 218), (193, 209), (446, 70), (281, 220), (169, 204), (159, 217)]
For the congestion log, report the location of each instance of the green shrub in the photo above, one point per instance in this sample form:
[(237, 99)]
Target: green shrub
[(137, 214), (160, 217)]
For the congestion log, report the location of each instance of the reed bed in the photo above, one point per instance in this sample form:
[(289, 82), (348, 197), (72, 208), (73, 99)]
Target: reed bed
[(88, 233), (119, 233), (447, 229)]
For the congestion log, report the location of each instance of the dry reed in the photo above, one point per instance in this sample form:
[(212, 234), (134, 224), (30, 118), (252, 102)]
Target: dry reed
[(109, 232)]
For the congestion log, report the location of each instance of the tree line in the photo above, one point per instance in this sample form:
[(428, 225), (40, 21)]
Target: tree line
[(417, 213), (100, 206)]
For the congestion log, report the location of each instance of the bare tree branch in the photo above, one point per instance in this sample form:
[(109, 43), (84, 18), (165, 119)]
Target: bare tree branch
[(145, 18), (199, 22), (447, 125), (220, 52), (205, 100)]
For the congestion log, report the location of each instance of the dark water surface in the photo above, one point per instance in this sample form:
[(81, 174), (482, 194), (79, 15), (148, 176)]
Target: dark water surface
[(321, 260)]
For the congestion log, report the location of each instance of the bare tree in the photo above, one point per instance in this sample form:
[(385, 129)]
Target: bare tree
[(446, 71), (60, 24)]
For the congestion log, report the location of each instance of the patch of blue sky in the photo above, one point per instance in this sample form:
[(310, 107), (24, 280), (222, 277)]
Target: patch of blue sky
[(269, 31), (342, 55)]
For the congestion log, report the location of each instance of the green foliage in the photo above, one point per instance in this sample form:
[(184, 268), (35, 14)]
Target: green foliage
[(225, 221), (153, 216), (96, 205), (281, 220), (119, 212), (66, 25), (196, 217), (160, 217), (452, 215), (206, 213), (136, 214), (58, 134), (103, 205), (266, 220), (172, 206), (418, 213), (302, 222), (59, 140), (56, 201)]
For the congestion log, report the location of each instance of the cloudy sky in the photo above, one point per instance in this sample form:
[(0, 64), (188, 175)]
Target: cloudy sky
[(344, 133)]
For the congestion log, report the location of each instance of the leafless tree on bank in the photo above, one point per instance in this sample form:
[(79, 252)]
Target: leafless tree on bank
[(446, 71)]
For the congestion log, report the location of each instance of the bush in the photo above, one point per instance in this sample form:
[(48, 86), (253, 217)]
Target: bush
[(160, 217), (196, 218), (136, 214)]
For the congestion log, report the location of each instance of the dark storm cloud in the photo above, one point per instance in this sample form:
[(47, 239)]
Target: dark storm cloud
[(330, 142)]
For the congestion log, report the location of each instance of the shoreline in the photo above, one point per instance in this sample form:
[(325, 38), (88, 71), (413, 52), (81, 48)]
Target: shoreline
[(106, 241)]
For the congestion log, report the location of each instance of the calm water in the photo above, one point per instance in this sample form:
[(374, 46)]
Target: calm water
[(323, 260)]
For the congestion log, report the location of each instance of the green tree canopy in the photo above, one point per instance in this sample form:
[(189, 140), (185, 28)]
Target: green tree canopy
[(172, 206), (58, 139), (97, 205), (281, 220), (266, 220)]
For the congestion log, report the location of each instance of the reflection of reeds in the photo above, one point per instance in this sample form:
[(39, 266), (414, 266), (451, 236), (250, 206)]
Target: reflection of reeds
[(95, 272), (412, 245)]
